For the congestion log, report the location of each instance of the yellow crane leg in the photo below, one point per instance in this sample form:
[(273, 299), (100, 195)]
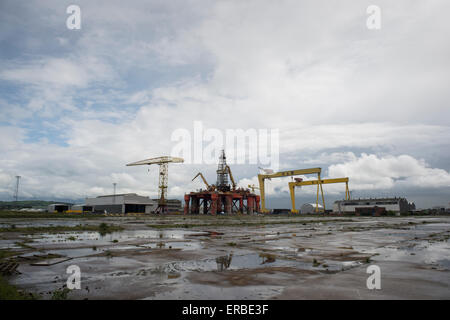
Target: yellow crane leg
[(263, 195), (347, 192), (292, 192), (319, 185), (323, 199), (317, 199)]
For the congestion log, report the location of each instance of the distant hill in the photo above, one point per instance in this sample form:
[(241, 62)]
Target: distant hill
[(37, 204)]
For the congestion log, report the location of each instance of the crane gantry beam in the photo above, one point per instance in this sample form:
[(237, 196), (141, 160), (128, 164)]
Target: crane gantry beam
[(290, 173), (318, 182)]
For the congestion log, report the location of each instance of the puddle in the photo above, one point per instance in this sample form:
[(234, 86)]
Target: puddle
[(75, 253), (186, 245), (90, 237), (234, 262), (422, 252), (9, 244)]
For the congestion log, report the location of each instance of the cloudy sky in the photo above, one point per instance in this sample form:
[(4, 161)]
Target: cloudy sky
[(77, 105)]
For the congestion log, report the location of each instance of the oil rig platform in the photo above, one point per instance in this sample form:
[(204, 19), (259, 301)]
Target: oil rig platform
[(221, 198)]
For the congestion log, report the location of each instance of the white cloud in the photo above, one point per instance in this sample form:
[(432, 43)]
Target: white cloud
[(372, 172), (58, 72)]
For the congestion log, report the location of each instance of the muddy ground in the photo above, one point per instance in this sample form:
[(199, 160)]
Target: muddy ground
[(236, 257)]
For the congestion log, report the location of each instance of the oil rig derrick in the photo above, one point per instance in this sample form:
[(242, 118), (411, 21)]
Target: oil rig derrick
[(221, 198), (222, 174)]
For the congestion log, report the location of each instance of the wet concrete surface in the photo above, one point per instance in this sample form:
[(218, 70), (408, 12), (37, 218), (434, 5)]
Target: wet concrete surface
[(236, 258)]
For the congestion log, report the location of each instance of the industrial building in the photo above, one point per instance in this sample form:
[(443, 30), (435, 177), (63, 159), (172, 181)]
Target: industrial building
[(58, 207), (373, 206), (172, 205), (80, 208), (119, 203), (122, 203)]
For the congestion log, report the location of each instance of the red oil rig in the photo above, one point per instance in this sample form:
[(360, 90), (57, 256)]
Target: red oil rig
[(221, 198)]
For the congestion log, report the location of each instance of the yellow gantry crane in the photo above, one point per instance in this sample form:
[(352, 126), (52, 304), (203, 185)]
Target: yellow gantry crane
[(263, 177), (318, 182)]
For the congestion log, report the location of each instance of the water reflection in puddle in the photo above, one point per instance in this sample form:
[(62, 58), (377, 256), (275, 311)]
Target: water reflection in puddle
[(185, 245), (437, 254), (96, 238), (235, 262)]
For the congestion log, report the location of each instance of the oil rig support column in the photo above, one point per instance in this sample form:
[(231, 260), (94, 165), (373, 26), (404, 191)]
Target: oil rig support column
[(214, 199), (257, 203), (228, 202), (187, 198), (241, 205), (250, 205)]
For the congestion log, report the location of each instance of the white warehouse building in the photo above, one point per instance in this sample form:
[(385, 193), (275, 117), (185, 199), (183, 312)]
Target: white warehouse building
[(307, 208), (122, 203), (398, 205)]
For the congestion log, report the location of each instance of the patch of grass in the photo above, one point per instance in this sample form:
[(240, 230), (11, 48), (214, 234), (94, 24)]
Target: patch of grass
[(72, 238), (6, 253), (47, 215), (103, 229), (10, 292), (231, 244), (108, 254), (60, 294), (316, 263)]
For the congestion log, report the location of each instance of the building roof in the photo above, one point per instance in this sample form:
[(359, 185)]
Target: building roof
[(373, 199), (116, 195), (312, 204)]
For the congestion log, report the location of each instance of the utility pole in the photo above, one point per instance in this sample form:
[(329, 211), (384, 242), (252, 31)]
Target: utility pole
[(114, 197), (16, 193)]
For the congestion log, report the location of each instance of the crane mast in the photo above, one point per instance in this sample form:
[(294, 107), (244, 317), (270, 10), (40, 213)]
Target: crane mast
[(163, 163)]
